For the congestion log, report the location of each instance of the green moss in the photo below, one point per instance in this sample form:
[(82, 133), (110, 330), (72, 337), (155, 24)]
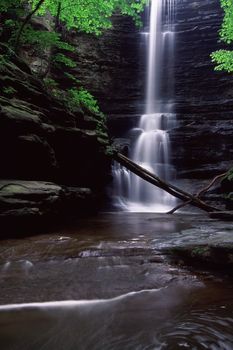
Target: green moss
[(11, 188), (229, 175), (200, 251), (8, 91)]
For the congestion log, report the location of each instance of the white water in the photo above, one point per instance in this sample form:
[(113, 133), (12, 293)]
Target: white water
[(154, 56), (151, 149), (79, 303)]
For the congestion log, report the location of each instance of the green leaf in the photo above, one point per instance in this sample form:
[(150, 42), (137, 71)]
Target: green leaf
[(92, 16), (61, 58), (224, 58), (77, 98)]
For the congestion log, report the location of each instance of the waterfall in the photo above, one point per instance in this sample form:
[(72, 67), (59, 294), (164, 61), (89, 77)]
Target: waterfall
[(151, 146)]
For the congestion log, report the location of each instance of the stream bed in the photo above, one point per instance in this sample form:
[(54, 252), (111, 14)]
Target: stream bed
[(107, 283)]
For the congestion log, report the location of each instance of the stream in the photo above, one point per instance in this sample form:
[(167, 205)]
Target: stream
[(106, 283)]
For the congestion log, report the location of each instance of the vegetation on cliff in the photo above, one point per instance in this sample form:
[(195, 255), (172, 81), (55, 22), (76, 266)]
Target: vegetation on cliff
[(90, 17), (224, 62), (224, 58)]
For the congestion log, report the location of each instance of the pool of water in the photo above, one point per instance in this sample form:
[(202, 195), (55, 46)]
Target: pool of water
[(105, 284), (167, 318)]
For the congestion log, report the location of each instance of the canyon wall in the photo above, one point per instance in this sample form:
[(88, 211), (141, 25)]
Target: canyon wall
[(204, 97), (113, 67)]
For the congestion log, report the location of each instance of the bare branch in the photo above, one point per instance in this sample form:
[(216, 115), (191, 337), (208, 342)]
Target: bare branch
[(205, 189), (181, 205)]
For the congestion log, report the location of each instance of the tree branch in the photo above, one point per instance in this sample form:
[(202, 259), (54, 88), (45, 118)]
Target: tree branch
[(201, 192), (181, 205), (212, 182)]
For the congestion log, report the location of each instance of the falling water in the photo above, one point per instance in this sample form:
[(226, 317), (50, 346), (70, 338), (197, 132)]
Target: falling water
[(151, 149)]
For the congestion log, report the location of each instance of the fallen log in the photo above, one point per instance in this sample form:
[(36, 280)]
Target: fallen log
[(156, 181)]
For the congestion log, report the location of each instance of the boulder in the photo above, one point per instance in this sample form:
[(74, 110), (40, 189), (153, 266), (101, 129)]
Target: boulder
[(32, 197), (32, 203)]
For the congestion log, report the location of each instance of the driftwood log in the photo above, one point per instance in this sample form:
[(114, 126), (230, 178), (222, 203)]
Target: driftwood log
[(186, 197)]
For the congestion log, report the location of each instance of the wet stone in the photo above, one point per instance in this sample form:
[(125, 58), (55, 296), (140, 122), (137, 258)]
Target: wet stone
[(109, 255)]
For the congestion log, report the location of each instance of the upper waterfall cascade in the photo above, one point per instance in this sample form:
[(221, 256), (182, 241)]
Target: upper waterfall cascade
[(151, 146)]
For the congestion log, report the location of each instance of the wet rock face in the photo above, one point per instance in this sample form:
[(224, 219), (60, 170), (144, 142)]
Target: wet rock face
[(115, 68), (197, 26), (202, 143), (112, 68)]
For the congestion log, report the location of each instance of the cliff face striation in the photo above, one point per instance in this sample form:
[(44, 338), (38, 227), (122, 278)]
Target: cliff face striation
[(112, 67), (43, 143), (115, 70), (204, 98)]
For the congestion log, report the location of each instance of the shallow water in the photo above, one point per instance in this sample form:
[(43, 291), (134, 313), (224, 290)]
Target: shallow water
[(167, 318), (114, 287)]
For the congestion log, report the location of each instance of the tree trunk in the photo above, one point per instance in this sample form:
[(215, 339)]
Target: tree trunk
[(25, 22), (52, 48), (57, 20), (155, 180)]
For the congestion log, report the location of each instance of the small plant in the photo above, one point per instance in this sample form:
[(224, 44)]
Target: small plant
[(5, 58), (44, 39), (228, 196), (51, 85), (10, 25), (77, 98), (227, 187), (2, 60), (9, 91), (6, 5), (200, 251), (229, 175), (72, 78), (60, 58), (223, 59)]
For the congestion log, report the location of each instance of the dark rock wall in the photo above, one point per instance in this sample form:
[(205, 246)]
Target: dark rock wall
[(202, 145), (41, 141), (197, 25), (114, 67), (110, 66)]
